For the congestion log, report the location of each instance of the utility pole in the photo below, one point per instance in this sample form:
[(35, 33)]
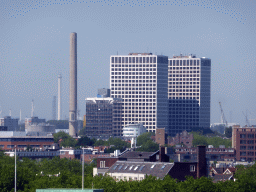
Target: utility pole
[(15, 188), (83, 171)]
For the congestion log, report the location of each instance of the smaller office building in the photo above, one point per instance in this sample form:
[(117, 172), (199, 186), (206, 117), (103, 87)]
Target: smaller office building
[(243, 141), (103, 117), (10, 123)]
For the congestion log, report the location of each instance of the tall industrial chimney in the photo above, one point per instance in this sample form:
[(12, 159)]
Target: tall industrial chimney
[(59, 97), (73, 86)]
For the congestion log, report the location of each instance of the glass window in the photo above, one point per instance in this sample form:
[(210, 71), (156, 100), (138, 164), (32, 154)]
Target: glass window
[(192, 168)]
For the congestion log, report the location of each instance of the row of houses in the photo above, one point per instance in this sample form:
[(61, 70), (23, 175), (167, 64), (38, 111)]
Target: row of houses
[(135, 165)]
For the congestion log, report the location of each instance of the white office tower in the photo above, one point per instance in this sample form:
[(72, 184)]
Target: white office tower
[(189, 93), (141, 80)]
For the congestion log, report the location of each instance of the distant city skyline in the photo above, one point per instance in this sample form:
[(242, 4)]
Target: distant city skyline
[(34, 48)]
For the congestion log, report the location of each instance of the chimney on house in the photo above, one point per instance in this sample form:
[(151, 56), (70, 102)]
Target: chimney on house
[(201, 161), (162, 156)]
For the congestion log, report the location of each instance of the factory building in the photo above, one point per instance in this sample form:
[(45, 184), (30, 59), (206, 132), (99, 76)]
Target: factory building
[(10, 123), (41, 129), (141, 80), (33, 120), (189, 93)]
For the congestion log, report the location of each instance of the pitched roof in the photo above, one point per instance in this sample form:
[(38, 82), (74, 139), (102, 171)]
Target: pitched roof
[(136, 155), (157, 169), (217, 170), (222, 177), (230, 170)]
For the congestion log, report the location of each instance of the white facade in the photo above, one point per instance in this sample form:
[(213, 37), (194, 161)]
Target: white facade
[(133, 130), (189, 92), (12, 133), (141, 81)]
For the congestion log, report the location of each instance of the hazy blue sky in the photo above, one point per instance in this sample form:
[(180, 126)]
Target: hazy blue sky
[(34, 48)]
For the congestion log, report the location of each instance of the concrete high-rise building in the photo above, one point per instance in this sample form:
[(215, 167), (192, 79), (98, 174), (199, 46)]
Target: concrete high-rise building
[(59, 96), (73, 86), (103, 117), (141, 80), (189, 93)]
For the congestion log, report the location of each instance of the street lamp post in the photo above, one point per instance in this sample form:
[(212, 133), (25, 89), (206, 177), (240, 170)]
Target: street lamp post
[(15, 187), (83, 171)]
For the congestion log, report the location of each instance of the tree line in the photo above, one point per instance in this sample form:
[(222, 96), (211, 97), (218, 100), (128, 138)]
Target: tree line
[(200, 139), (144, 142), (32, 175)]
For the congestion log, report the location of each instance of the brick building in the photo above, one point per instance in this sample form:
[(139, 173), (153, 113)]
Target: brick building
[(184, 138), (160, 136), (137, 170), (8, 143), (212, 154), (243, 141), (136, 165)]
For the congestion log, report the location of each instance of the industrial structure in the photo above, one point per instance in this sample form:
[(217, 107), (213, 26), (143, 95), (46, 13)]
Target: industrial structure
[(73, 86), (59, 97), (189, 93), (33, 120), (141, 80), (54, 108), (41, 129)]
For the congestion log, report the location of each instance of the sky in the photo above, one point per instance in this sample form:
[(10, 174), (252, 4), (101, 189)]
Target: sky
[(34, 48)]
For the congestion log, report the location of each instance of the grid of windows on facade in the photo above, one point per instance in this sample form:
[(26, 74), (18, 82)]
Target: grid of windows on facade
[(27, 139), (183, 115), (188, 89), (134, 79), (247, 150), (103, 117), (184, 79)]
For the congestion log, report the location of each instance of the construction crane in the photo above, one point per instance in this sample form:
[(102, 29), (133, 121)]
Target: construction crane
[(223, 119), (246, 119)]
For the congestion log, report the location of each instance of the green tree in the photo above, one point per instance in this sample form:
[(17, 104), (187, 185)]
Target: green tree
[(143, 138), (100, 142), (149, 146), (199, 139), (197, 185), (85, 141), (228, 132), (67, 140)]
